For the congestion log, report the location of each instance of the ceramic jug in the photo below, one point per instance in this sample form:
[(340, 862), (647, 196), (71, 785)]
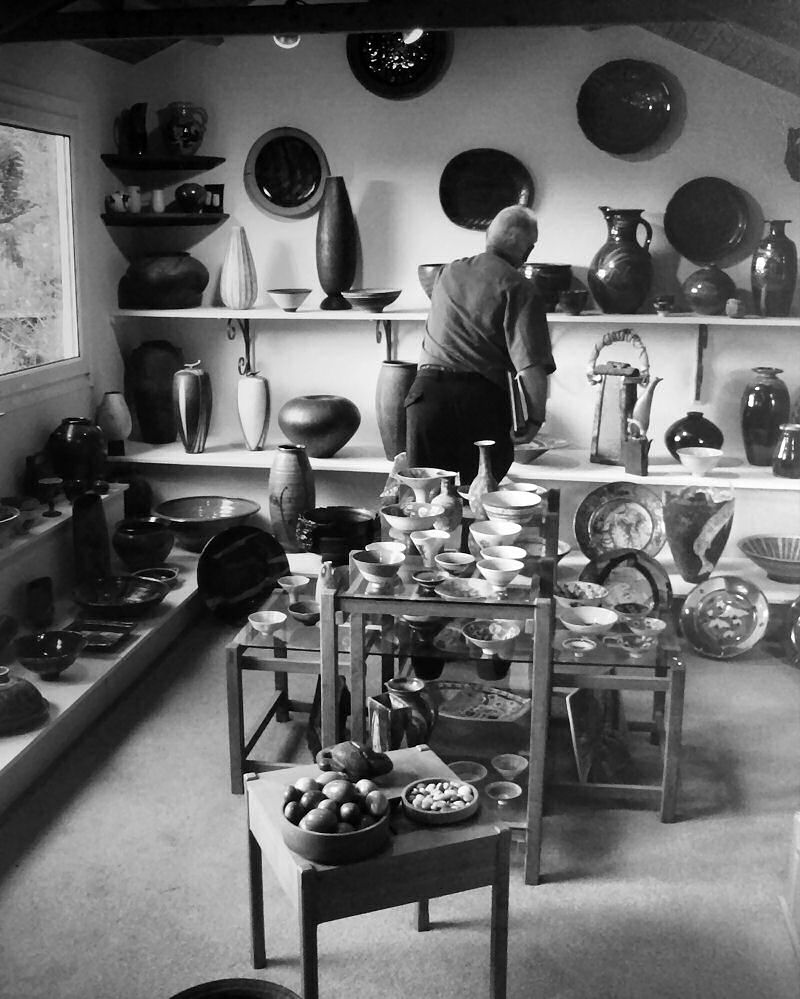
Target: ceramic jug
[(184, 128), (621, 271)]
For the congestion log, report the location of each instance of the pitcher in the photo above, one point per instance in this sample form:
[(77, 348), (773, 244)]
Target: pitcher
[(184, 128), (621, 271)]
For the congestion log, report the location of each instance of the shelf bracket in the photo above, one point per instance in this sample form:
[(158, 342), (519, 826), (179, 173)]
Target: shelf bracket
[(383, 327), (247, 364), (702, 344)]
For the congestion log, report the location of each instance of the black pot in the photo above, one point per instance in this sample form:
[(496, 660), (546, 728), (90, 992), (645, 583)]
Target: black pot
[(142, 542), (77, 451), (163, 281), (334, 531), (692, 430), (550, 281)]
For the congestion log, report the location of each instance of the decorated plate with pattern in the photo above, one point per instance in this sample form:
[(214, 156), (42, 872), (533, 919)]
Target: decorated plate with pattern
[(476, 701), (631, 577), (620, 515), (724, 616)]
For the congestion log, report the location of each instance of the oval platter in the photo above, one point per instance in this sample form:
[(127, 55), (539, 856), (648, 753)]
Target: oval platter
[(386, 66), (476, 702), (724, 616), (624, 106), (631, 576), (477, 183), (706, 219), (238, 569), (620, 515), (285, 172)]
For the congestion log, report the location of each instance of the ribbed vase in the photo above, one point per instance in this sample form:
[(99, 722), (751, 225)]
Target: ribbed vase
[(291, 491), (252, 402), (238, 281), (191, 388), (394, 381), (336, 244), (773, 271)]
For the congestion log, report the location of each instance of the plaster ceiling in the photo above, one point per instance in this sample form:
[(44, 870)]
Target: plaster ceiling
[(758, 37)]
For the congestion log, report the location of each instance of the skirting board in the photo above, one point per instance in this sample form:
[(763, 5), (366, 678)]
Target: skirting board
[(790, 903)]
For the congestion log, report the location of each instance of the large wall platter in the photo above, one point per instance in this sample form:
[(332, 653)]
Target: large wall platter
[(624, 106), (630, 576), (476, 184), (706, 219), (238, 569), (724, 616), (620, 515), (285, 172), (384, 64)]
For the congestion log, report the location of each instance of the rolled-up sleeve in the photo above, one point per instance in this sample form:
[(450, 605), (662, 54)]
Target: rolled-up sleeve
[(527, 332)]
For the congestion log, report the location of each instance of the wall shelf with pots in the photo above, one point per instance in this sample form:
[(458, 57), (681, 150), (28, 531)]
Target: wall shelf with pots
[(162, 164), (154, 220)]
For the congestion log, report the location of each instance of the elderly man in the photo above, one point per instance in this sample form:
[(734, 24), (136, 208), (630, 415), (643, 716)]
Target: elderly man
[(486, 321)]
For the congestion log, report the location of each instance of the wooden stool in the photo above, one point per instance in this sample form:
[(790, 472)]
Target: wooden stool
[(420, 862)]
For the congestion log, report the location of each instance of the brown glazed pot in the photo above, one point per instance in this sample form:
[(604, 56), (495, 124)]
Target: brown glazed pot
[(321, 423)]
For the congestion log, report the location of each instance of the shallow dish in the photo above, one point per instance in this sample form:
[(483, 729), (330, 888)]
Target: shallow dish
[(120, 596), (197, 519), (578, 591), (477, 702), (267, 622), (49, 653), (288, 299), (305, 611), (336, 848), (588, 620), (777, 555), (371, 299), (469, 771), (706, 219), (502, 791), (620, 515), (477, 183), (238, 569), (436, 793), (724, 616), (492, 637), (511, 505), (531, 451), (162, 574), (699, 460), (464, 589)]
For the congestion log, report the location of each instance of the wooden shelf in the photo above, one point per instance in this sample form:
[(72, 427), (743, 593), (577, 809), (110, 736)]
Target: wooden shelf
[(161, 163), (154, 220)]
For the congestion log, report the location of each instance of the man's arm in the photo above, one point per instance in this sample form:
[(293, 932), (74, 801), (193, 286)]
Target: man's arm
[(532, 382)]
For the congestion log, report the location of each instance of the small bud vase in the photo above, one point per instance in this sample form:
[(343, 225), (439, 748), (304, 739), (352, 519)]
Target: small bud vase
[(484, 481)]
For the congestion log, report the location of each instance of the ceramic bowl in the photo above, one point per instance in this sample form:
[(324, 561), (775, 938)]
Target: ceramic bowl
[(509, 765), (647, 627), (421, 480), (429, 579), (305, 611), (511, 505), (288, 299), (577, 591), (525, 487), (418, 799), (411, 516), (427, 274), (332, 532), (378, 567), (699, 460), (631, 612), (267, 622), (9, 515), (371, 299), (197, 519), (494, 532), (468, 770), (386, 546), (499, 572), (142, 541), (429, 543), (492, 636), (162, 574), (120, 596), (588, 620), (572, 302), (505, 551), (49, 653), (777, 555), (527, 452), (455, 563), (502, 791), (336, 848)]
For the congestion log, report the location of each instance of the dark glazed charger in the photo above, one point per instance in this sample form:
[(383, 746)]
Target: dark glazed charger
[(285, 172), (624, 106), (706, 219), (477, 183), (386, 66)]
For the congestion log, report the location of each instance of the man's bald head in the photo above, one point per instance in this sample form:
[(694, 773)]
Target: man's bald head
[(512, 234)]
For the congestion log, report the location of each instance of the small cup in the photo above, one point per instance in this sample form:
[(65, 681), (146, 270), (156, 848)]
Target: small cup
[(572, 302), (664, 304)]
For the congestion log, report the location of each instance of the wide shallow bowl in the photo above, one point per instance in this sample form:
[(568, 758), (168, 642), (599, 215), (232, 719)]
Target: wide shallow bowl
[(305, 611), (378, 568), (197, 519), (429, 579), (509, 765), (411, 516), (289, 299), (332, 532), (469, 770), (371, 299), (777, 555), (487, 533), (120, 596), (266, 622), (511, 505), (492, 636), (386, 546), (588, 620), (576, 592), (49, 653), (427, 274), (455, 563), (502, 791), (168, 574), (528, 452), (699, 460), (336, 848), (429, 801)]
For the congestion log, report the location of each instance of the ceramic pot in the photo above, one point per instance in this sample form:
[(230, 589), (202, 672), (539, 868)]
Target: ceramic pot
[(773, 271), (291, 490), (411, 695), (332, 532), (692, 430), (484, 481), (90, 544), (765, 407), (163, 281), (142, 542), (621, 271), (336, 244), (450, 501), (114, 419), (707, 290), (21, 704), (697, 521), (192, 398), (77, 452), (550, 280), (786, 459), (190, 197), (130, 130), (149, 373), (238, 282), (322, 423), (252, 403), (184, 128), (394, 381)]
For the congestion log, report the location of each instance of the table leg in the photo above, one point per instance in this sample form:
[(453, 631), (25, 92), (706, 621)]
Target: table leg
[(540, 680), (422, 916), (329, 669), (498, 959), (306, 911), (358, 699), (235, 717), (672, 742), (258, 949), (282, 685)]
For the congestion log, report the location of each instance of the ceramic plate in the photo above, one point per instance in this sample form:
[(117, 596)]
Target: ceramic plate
[(238, 569), (101, 635), (624, 106), (285, 172), (631, 576), (724, 616), (464, 589), (706, 219), (476, 702), (620, 515), (477, 183), (388, 67), (120, 596)]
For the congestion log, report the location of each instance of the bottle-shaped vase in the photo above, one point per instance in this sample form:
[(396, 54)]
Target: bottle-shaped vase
[(773, 271), (291, 492), (484, 481), (765, 407), (786, 460)]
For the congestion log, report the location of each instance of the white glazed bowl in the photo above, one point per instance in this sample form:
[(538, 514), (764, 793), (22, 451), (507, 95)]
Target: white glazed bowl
[(492, 636), (378, 567), (386, 546), (588, 620), (577, 591), (289, 299), (266, 622), (500, 571), (512, 505), (699, 460), (411, 516), (455, 563), (494, 532), (504, 551)]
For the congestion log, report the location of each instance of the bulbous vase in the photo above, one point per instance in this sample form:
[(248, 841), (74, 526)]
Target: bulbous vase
[(149, 373), (692, 430), (163, 281), (321, 423), (78, 453), (621, 271), (773, 271), (765, 408), (697, 522)]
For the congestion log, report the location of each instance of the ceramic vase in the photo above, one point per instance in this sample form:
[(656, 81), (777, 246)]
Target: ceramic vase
[(291, 491), (786, 459), (550, 280), (394, 381), (336, 244), (484, 481), (238, 281), (692, 430), (697, 521), (114, 419), (773, 271), (404, 716), (90, 541), (450, 501), (707, 290), (77, 453), (252, 403), (184, 127), (765, 407), (322, 423), (191, 393), (163, 281), (621, 271), (149, 372)]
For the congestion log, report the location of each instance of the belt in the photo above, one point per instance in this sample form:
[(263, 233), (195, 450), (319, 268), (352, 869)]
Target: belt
[(441, 373)]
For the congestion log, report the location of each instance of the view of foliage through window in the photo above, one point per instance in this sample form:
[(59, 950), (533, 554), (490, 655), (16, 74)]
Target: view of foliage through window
[(37, 287)]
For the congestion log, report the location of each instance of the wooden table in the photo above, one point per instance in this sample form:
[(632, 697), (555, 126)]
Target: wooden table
[(419, 863)]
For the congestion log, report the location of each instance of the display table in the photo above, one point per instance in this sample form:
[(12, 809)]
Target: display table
[(419, 863)]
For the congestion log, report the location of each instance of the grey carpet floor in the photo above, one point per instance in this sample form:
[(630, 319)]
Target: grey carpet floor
[(123, 872)]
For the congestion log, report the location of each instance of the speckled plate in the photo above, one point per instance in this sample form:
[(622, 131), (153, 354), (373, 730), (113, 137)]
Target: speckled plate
[(724, 616), (620, 515)]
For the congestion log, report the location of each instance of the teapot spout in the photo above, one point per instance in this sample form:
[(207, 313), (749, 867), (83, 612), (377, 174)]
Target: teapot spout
[(641, 411)]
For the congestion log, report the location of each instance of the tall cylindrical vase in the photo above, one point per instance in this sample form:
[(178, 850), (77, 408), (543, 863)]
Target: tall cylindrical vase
[(336, 244), (252, 402), (291, 491), (773, 271), (238, 281), (765, 407), (192, 398), (114, 419), (697, 522), (394, 381)]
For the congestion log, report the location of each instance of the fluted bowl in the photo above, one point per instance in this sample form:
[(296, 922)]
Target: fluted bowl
[(197, 519), (777, 555)]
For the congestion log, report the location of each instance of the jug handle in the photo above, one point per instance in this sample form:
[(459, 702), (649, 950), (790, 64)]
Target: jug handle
[(649, 230), (619, 336)]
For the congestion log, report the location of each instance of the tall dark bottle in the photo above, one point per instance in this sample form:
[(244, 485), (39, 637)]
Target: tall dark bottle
[(765, 407), (336, 244), (191, 388), (773, 271)]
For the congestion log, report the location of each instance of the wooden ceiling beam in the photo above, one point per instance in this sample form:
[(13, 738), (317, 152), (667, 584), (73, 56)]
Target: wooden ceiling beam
[(18, 12)]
